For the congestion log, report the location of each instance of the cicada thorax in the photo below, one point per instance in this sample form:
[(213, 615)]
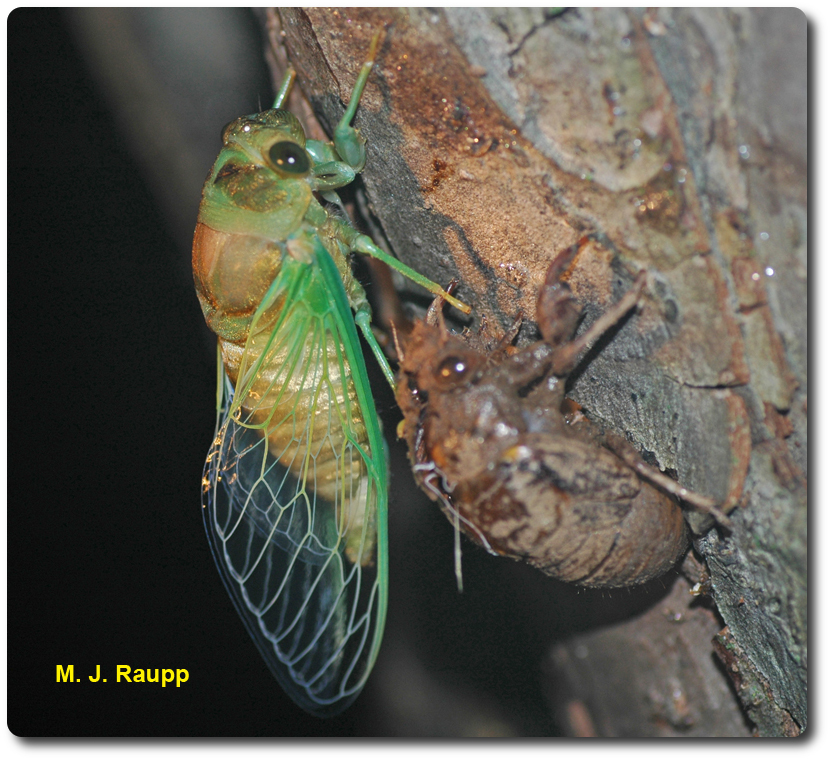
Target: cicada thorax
[(233, 271), (247, 214)]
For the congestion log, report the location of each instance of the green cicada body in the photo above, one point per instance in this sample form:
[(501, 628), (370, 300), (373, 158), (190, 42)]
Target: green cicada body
[(295, 482)]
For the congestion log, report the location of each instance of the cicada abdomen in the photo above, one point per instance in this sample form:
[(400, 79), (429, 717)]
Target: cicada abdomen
[(295, 485)]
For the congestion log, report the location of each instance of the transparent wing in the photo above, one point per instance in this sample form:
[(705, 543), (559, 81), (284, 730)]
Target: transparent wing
[(294, 494)]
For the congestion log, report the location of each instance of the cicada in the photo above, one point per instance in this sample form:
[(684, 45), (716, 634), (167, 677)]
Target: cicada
[(295, 482), (492, 439)]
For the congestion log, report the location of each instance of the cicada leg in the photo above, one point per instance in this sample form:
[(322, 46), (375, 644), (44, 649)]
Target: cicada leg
[(359, 243), (625, 451), (285, 88), (363, 319), (350, 146), (568, 355)]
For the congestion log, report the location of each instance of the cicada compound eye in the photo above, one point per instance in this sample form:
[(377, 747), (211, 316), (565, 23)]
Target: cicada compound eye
[(452, 370), (289, 158), (233, 126), (223, 133)]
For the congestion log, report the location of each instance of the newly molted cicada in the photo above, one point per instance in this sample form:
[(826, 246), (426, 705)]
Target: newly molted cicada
[(295, 483)]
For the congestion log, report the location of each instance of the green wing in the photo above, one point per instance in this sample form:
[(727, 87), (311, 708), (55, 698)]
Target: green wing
[(295, 490)]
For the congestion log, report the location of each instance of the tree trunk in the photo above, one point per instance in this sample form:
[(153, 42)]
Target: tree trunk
[(676, 140)]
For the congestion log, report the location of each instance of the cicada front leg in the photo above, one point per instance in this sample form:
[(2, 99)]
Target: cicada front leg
[(348, 141), (348, 149)]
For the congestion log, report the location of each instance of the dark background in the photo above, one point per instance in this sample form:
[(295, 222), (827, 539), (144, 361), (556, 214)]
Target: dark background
[(111, 409)]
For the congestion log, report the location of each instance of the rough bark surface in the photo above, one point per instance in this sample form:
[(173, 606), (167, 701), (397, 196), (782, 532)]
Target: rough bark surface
[(677, 140)]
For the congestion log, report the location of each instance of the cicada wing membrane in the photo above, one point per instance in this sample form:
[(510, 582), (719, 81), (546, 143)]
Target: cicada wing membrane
[(293, 487)]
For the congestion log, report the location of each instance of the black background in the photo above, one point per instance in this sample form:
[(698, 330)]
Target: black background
[(111, 409)]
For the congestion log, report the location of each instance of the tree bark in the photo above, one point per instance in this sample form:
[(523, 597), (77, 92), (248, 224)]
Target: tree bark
[(676, 140)]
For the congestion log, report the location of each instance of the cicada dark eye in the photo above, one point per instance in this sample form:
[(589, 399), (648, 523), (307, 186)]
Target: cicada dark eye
[(289, 158), (453, 369), (233, 126)]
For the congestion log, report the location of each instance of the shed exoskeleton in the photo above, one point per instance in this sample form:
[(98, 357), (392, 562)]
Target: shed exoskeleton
[(490, 440)]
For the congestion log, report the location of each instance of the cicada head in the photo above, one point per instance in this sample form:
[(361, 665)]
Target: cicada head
[(438, 372), (274, 139)]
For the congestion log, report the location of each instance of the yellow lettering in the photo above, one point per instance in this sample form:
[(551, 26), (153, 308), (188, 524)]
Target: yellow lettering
[(138, 675), (65, 675)]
